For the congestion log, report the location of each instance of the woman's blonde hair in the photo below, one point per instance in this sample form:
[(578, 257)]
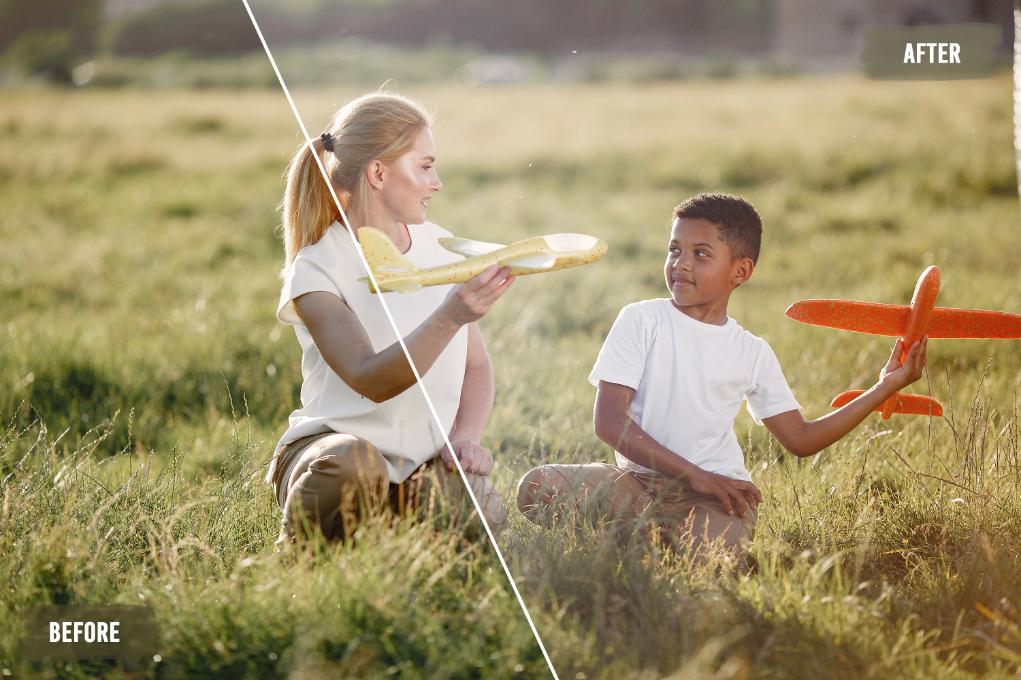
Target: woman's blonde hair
[(372, 127)]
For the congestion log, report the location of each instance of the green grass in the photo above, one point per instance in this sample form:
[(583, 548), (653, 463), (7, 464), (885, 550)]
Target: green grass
[(138, 282)]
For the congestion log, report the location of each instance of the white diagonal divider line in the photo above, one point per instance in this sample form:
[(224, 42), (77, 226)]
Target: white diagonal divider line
[(400, 339)]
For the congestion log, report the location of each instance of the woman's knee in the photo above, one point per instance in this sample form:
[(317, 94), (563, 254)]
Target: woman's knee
[(442, 493), (358, 463), (343, 474), (491, 503)]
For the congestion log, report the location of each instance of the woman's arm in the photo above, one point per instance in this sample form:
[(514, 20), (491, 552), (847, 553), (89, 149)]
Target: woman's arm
[(474, 409), (806, 438), (615, 427), (379, 376), (477, 392)]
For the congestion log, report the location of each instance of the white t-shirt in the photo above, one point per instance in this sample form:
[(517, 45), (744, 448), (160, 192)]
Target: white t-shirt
[(689, 379), (402, 428)]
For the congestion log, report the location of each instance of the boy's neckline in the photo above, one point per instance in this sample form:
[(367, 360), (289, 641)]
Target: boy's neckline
[(705, 324)]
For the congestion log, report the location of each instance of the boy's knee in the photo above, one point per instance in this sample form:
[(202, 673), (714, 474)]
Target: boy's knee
[(709, 528), (535, 493)]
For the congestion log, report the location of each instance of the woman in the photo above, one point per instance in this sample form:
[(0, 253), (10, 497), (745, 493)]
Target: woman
[(364, 437)]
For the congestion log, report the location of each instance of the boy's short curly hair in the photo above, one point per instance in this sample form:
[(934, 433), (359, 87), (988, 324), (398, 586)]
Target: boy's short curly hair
[(737, 222)]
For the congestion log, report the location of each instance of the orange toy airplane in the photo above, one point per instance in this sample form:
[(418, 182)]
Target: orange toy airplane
[(910, 323)]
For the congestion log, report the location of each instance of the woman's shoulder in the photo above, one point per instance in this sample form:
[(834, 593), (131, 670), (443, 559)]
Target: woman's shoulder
[(334, 242), (333, 256)]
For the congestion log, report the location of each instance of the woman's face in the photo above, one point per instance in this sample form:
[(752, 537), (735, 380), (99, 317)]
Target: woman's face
[(410, 181)]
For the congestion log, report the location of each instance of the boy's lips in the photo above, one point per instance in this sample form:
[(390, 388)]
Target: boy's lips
[(678, 281)]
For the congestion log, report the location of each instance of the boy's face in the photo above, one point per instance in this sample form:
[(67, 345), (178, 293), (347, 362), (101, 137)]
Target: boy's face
[(700, 270)]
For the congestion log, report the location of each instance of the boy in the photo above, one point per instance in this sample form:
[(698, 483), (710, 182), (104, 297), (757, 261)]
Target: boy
[(670, 380)]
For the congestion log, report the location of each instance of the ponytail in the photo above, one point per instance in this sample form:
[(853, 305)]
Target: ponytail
[(308, 208)]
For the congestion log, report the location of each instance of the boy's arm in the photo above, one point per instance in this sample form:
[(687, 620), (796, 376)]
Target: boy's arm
[(615, 427), (806, 438)]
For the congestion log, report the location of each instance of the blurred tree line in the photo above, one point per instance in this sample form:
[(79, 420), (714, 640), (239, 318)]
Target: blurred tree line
[(48, 37), (538, 26)]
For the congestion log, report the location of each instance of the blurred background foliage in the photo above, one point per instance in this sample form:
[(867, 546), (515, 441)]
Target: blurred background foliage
[(209, 43)]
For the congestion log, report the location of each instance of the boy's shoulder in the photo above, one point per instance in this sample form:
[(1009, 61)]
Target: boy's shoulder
[(659, 312), (644, 315), (750, 338), (651, 307), (661, 309)]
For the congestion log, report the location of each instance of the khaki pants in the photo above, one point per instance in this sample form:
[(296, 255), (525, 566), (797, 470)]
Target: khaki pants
[(683, 518), (328, 482)]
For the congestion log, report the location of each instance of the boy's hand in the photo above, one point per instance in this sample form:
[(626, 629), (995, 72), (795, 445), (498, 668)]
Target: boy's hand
[(735, 494), (897, 376), (475, 459)]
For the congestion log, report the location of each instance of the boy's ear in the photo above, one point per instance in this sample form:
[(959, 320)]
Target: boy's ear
[(742, 271)]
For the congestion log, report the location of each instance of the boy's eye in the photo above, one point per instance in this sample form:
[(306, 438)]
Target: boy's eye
[(673, 249), (702, 253)]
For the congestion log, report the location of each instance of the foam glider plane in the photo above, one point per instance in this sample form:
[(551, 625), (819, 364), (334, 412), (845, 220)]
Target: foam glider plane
[(910, 323), (536, 255)]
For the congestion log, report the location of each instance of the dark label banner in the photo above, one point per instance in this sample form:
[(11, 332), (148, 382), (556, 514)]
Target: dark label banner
[(938, 52), (89, 632)]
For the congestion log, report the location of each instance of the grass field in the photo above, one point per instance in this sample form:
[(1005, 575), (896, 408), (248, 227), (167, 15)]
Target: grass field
[(147, 382)]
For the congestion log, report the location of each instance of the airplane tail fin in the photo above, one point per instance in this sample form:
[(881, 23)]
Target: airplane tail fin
[(911, 404), (391, 270)]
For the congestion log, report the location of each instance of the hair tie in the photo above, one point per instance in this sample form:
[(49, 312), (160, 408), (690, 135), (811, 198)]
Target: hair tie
[(327, 141)]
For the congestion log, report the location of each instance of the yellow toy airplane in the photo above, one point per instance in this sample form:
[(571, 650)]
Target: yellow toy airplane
[(922, 317), (536, 255)]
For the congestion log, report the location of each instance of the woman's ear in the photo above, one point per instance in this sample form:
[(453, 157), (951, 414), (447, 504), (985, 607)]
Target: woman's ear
[(375, 173)]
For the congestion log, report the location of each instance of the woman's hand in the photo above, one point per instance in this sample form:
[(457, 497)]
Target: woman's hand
[(735, 494), (471, 300), (475, 459), (900, 376)]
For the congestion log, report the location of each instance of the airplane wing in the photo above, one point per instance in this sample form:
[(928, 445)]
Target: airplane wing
[(973, 323), (861, 317), (467, 247), (537, 262)]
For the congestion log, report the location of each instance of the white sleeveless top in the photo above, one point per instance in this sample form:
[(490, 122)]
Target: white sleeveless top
[(402, 428)]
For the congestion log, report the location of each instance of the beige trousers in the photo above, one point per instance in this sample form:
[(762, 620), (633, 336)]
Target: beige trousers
[(328, 482), (682, 517)]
